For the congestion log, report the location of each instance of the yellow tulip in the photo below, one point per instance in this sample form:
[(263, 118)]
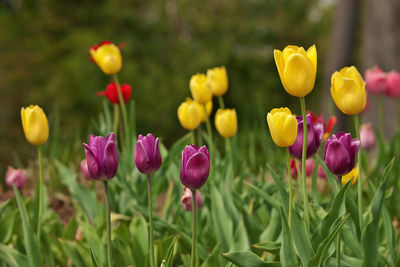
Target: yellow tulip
[(189, 114), (208, 106), (282, 126), (199, 89), (217, 80), (35, 125), (108, 57), (297, 69), (226, 122), (352, 174), (348, 90)]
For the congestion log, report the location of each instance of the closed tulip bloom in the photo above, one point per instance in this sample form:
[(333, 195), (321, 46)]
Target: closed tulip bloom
[(375, 80), (321, 173), (297, 69), (111, 92), (348, 90), (84, 170), (340, 153), (190, 114), (186, 199), (282, 126), (353, 174), (195, 166), (107, 56), (15, 177), (367, 136), (393, 84), (199, 89), (315, 132), (226, 122), (35, 125), (147, 154), (217, 80), (102, 157), (208, 106)]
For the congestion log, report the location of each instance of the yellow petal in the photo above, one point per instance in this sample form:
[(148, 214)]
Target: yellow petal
[(299, 75), (312, 56), (290, 130)]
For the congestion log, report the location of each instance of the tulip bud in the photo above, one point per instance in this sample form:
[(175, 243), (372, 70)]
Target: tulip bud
[(315, 132), (16, 177), (35, 125), (186, 199), (340, 153), (111, 92), (217, 80), (102, 157), (353, 174), (348, 90), (375, 80), (190, 114), (297, 69), (107, 56), (195, 166), (147, 154), (282, 126), (226, 122), (199, 89), (321, 173), (85, 170), (367, 136), (393, 84)]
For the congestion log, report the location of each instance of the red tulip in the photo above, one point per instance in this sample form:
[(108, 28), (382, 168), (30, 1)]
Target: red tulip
[(111, 92)]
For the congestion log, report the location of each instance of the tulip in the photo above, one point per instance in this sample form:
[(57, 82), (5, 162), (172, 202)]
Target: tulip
[(111, 92), (15, 177), (282, 126), (340, 153), (208, 106), (85, 170), (348, 90), (190, 114), (321, 173), (293, 168), (315, 132), (309, 166), (102, 157), (367, 136), (352, 174), (199, 89), (107, 56), (328, 126), (226, 122), (147, 154), (297, 69), (375, 80), (393, 84), (186, 199), (195, 166), (35, 125), (217, 80)]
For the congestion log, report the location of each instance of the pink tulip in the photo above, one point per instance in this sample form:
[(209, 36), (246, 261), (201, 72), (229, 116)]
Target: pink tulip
[(85, 170), (375, 80), (321, 172), (16, 177), (367, 136), (186, 199), (393, 84)]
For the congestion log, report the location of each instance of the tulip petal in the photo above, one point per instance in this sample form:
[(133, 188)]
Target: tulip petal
[(141, 157), (156, 156), (349, 98), (110, 160), (355, 145), (298, 75), (290, 130), (92, 163), (312, 56), (197, 170), (337, 158), (280, 63)]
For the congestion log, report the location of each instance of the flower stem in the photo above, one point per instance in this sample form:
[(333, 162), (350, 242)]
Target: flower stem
[(303, 164), (193, 137), (123, 109), (228, 145), (338, 249), (39, 226), (116, 119), (150, 205), (221, 102), (210, 144), (194, 236), (108, 218), (359, 186), (290, 189), (381, 117)]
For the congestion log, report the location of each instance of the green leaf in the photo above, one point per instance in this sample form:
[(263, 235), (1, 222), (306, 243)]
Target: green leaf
[(271, 247), (71, 249), (140, 243), (212, 258), (288, 254), (169, 260), (3, 206), (269, 199), (31, 245), (93, 256), (240, 238), (248, 259), (331, 178), (387, 223), (12, 256)]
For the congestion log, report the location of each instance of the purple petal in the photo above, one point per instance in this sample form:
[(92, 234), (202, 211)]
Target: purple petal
[(140, 137), (92, 163), (197, 170), (337, 158), (141, 157), (318, 132), (346, 141), (110, 160), (148, 142), (204, 150), (156, 163), (355, 145), (339, 134)]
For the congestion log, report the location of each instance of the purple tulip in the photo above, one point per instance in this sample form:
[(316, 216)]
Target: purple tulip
[(315, 132), (195, 166), (147, 154), (340, 153), (16, 177), (102, 157), (186, 199)]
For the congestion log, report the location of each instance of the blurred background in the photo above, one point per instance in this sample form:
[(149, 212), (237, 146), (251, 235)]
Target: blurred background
[(44, 59)]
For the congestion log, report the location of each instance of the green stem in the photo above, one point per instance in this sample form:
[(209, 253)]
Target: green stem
[(381, 114), (194, 236), (108, 218), (210, 144), (338, 249), (39, 223), (228, 146), (150, 205), (221, 102), (123, 109), (359, 182), (303, 165), (116, 119), (193, 137), (290, 188)]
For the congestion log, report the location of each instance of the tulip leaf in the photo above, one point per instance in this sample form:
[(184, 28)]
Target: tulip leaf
[(269, 199), (31, 245), (331, 178), (288, 254), (93, 256), (169, 260), (140, 243), (12, 257), (271, 247), (248, 259), (212, 258), (274, 227)]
